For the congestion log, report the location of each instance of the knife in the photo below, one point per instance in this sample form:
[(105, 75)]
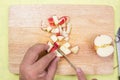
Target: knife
[(65, 57), (118, 50)]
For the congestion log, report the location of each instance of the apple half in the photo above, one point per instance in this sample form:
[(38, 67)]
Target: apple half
[(103, 45)]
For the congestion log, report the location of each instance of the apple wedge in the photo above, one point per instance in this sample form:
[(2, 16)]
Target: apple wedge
[(50, 46), (54, 38), (106, 51), (103, 45), (58, 54), (65, 50), (75, 49), (60, 38), (56, 30), (67, 45)]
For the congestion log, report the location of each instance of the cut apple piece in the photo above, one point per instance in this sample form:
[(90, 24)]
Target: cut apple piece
[(102, 39), (62, 20), (56, 30), (50, 46), (67, 44), (51, 22), (68, 28), (58, 54), (103, 45), (65, 50), (106, 51), (60, 38), (55, 19), (55, 47), (49, 29), (64, 34), (54, 38), (75, 49)]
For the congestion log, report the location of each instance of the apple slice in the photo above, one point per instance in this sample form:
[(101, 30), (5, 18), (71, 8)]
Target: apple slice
[(51, 22), (65, 50), (55, 19), (62, 20), (102, 40), (58, 54), (54, 38), (103, 45), (50, 46), (56, 30), (68, 28), (106, 51), (60, 38), (67, 44), (55, 47), (75, 49), (49, 29)]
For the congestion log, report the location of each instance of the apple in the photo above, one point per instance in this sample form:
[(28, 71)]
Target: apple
[(49, 29), (67, 44), (58, 54), (56, 30), (65, 50), (54, 38), (75, 49), (105, 51), (68, 28), (60, 38), (103, 45), (55, 19), (50, 46)]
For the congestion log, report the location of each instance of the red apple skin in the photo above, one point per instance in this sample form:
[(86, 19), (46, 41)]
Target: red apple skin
[(51, 22), (62, 20), (55, 47)]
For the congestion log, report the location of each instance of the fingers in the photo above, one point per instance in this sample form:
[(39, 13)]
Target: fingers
[(80, 74), (52, 69), (33, 53), (43, 63)]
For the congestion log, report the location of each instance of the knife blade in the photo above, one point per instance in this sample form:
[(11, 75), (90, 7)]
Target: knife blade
[(118, 49), (65, 57)]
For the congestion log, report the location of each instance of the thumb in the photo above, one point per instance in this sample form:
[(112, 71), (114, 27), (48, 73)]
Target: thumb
[(80, 74)]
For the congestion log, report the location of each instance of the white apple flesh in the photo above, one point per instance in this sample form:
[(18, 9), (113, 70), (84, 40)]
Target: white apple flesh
[(50, 46), (55, 20), (65, 50), (54, 38), (75, 49), (60, 38), (67, 44), (56, 30), (106, 51), (103, 45)]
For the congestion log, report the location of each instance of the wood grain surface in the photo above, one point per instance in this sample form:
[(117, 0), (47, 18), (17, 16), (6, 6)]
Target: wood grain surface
[(87, 22)]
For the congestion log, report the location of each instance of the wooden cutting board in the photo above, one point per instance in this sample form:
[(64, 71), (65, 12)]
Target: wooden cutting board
[(87, 22)]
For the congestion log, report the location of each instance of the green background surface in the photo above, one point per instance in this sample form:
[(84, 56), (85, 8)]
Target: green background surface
[(4, 9)]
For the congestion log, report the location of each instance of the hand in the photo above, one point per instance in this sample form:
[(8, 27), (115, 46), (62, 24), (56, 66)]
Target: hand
[(80, 74), (33, 68)]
